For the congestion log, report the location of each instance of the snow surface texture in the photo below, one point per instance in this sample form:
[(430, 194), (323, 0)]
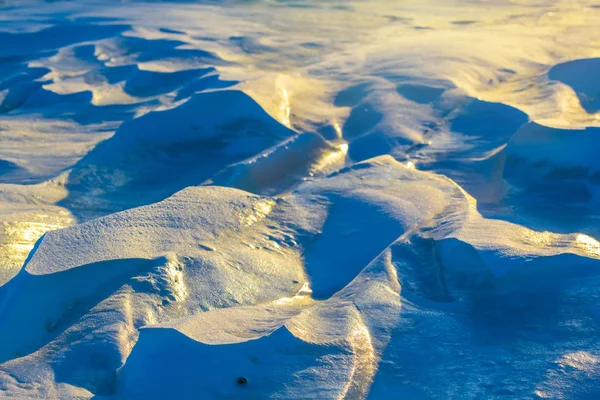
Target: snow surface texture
[(300, 199)]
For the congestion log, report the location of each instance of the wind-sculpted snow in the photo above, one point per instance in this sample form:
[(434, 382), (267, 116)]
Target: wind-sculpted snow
[(532, 156), (299, 200), (159, 153), (211, 254), (582, 77)]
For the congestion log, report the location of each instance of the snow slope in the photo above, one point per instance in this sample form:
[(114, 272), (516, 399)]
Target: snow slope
[(299, 200)]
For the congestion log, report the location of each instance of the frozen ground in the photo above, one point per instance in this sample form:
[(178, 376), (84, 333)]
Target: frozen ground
[(300, 199)]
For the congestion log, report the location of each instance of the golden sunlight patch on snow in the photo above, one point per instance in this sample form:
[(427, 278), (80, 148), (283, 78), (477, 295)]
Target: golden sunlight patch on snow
[(588, 244), (540, 239), (569, 372), (330, 158), (261, 209), (581, 360), (303, 296), (175, 276), (284, 108), (364, 363), (298, 101), (20, 236)]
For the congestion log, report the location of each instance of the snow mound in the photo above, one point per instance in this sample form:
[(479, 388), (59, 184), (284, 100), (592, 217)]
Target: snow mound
[(532, 151), (165, 151), (583, 77), (181, 263), (283, 166)]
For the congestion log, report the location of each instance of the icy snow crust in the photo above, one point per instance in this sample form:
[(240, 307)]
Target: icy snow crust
[(300, 200)]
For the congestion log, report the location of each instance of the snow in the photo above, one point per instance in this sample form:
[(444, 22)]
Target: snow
[(299, 200)]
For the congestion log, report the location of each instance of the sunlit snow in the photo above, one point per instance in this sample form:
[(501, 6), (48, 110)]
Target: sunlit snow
[(300, 199)]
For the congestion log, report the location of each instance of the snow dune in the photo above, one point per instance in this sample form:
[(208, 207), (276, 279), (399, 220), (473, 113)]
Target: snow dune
[(299, 200)]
